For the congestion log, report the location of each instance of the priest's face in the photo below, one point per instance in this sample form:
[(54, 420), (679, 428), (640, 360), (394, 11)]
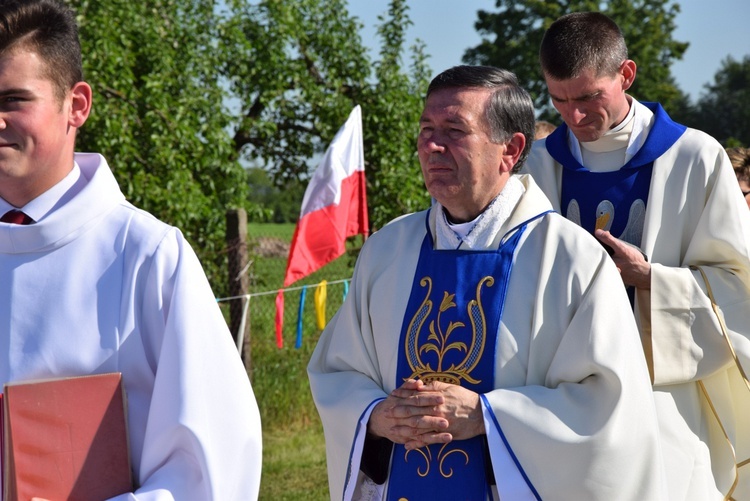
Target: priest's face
[(37, 127), (462, 168), (591, 105)]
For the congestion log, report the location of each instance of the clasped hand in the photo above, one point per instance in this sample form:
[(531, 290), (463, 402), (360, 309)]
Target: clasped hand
[(418, 414)]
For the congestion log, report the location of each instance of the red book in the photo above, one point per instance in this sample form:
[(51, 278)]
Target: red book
[(66, 439)]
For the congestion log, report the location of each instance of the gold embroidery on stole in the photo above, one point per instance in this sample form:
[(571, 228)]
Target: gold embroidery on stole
[(439, 342)]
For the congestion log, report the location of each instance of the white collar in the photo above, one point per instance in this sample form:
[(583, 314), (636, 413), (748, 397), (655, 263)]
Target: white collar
[(642, 120), (96, 195), (481, 232)]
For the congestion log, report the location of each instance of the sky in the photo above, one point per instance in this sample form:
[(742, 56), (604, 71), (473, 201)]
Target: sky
[(715, 29)]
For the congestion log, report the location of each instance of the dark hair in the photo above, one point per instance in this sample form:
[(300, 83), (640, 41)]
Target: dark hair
[(48, 28), (580, 41), (510, 109)]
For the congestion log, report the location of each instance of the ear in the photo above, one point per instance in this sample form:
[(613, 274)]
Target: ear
[(513, 149), (628, 71), (80, 104)]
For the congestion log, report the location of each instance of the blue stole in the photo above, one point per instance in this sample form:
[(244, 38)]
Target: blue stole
[(448, 334), (616, 200)]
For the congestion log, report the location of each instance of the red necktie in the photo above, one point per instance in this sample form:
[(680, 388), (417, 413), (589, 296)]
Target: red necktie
[(16, 217)]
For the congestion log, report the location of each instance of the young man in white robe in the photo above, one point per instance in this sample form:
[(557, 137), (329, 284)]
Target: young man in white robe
[(663, 199), (90, 284), (486, 349)]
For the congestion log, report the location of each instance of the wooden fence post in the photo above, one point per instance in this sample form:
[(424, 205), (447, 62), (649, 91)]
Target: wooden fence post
[(239, 313)]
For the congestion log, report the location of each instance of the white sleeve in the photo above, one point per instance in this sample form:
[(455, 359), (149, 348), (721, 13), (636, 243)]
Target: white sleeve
[(202, 437)]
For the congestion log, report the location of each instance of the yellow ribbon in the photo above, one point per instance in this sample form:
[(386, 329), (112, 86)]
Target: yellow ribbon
[(320, 305)]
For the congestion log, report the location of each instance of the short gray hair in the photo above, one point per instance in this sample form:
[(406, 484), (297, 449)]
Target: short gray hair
[(510, 108)]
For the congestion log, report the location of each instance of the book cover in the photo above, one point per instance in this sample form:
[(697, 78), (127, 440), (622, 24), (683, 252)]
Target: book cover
[(66, 439)]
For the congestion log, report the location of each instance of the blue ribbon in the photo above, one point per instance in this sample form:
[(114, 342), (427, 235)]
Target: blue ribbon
[(298, 343)]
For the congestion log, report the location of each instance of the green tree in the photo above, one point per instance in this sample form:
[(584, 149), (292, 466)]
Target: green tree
[(280, 205), (293, 70), (158, 114), (392, 107), (724, 109), (511, 38), (188, 93), (300, 69)]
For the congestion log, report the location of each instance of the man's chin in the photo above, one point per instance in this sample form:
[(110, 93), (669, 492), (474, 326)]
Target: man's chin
[(587, 135)]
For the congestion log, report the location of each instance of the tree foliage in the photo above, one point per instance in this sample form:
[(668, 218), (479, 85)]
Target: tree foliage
[(190, 93), (298, 73), (511, 38), (392, 107), (293, 69), (158, 115), (724, 109)]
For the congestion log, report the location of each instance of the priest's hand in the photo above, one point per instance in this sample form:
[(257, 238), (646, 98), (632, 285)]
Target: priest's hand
[(456, 410), (408, 416), (634, 269), (461, 407)]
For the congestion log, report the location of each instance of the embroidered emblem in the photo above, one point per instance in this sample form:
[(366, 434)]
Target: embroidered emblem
[(439, 344), (426, 453), (605, 215)]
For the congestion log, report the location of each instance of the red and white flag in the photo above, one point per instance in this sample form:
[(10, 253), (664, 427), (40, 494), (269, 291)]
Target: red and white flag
[(334, 208)]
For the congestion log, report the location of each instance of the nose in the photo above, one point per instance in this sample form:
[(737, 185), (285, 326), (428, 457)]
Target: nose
[(433, 143), (572, 113), (576, 113)]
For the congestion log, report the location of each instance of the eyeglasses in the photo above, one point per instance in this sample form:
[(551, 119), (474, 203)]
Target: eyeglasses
[(745, 193)]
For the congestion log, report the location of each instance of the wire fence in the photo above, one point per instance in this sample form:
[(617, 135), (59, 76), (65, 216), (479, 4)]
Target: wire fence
[(257, 256), (302, 313), (279, 375), (304, 317)]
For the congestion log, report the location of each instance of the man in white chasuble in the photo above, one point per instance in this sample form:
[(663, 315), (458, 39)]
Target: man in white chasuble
[(663, 199), (486, 349)]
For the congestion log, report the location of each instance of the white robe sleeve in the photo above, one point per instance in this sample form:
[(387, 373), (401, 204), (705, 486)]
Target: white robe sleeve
[(582, 425), (700, 220), (202, 437), (345, 381), (354, 362)]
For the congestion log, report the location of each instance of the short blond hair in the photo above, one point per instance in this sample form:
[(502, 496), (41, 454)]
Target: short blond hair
[(542, 129), (740, 158)]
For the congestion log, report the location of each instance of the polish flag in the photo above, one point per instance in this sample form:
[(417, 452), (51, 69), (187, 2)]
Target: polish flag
[(334, 208)]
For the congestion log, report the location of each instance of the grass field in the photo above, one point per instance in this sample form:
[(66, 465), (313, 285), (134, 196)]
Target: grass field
[(294, 465)]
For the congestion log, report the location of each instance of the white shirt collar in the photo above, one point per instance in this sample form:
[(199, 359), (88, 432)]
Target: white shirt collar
[(54, 197)]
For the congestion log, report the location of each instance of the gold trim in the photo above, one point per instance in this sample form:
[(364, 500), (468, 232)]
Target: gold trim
[(726, 437), (725, 332), (426, 453), (722, 324)]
